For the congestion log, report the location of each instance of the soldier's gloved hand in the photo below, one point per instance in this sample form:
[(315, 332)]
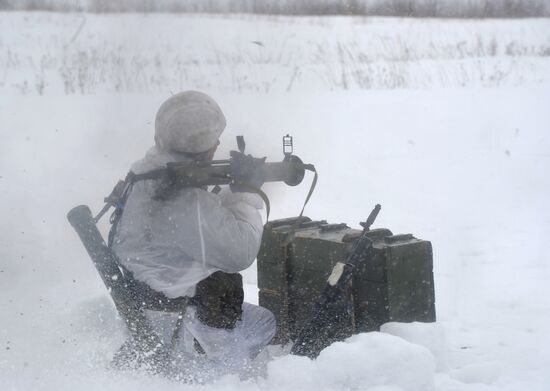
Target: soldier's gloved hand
[(247, 171)]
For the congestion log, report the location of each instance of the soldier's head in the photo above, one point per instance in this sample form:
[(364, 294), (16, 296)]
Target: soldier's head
[(189, 123)]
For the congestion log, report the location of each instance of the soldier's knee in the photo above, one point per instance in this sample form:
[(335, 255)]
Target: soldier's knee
[(270, 323)]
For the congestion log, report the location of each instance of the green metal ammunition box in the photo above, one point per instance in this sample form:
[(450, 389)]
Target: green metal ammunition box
[(297, 256)]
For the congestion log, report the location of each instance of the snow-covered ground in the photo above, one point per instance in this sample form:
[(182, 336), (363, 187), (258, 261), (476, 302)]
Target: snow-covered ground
[(463, 167), (45, 53)]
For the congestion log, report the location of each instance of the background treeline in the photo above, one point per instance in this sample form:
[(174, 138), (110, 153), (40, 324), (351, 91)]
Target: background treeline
[(415, 8)]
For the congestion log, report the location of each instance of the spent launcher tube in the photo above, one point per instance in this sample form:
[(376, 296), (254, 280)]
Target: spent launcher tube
[(116, 282)]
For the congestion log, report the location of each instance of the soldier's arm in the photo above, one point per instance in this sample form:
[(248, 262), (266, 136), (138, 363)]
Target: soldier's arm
[(231, 229)]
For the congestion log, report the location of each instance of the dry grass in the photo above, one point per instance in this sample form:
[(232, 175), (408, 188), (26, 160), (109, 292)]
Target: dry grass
[(75, 55)]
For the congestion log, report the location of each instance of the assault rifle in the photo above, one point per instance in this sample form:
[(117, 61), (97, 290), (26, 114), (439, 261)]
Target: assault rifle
[(327, 314)]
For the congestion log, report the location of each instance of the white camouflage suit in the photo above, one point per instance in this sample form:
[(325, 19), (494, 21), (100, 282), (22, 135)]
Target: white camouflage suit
[(173, 244)]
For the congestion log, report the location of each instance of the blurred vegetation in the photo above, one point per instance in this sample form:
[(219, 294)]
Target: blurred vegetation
[(414, 8), (69, 53)]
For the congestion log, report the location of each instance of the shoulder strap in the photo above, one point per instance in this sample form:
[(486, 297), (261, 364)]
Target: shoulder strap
[(119, 207), (310, 167), (119, 193)]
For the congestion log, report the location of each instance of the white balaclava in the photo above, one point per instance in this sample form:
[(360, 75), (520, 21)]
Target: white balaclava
[(188, 122)]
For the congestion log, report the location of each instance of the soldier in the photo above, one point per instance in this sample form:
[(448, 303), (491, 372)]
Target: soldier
[(189, 242)]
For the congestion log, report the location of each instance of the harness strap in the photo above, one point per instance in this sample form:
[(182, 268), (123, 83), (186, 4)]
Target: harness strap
[(120, 193), (310, 167), (119, 204), (294, 227), (261, 193), (253, 189), (118, 196)]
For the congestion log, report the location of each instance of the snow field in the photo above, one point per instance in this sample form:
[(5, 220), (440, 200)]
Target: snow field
[(465, 168), (364, 361), (474, 183), (46, 53)]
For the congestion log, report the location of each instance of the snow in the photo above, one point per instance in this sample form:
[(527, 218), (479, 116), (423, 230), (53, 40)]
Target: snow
[(429, 335), (44, 53), (466, 168), (363, 361)]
